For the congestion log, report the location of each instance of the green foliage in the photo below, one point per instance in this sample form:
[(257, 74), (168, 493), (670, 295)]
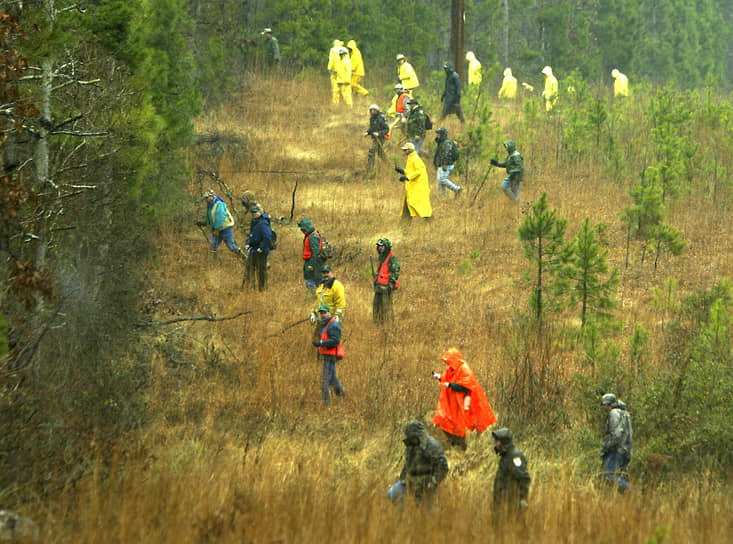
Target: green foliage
[(542, 236), (582, 275)]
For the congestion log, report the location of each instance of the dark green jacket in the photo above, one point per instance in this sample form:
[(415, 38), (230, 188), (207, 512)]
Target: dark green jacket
[(425, 462), (312, 266), (452, 93), (511, 483)]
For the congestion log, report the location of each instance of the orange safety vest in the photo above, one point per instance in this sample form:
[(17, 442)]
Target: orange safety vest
[(338, 351), (400, 106), (383, 276), (307, 253)]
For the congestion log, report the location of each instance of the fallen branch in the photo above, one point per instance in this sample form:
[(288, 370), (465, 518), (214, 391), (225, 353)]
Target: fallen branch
[(199, 318)]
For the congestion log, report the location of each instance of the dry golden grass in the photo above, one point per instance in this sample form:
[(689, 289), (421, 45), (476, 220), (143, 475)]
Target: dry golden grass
[(241, 449)]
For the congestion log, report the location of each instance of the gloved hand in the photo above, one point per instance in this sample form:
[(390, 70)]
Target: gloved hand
[(523, 504), (399, 170), (404, 178), (436, 375), (494, 162), (313, 317), (466, 403), (259, 250), (446, 384), (216, 232), (317, 343), (309, 268), (200, 223), (337, 319)]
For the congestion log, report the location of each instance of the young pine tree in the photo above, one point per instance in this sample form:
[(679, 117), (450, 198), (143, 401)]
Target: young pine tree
[(584, 275), (542, 235)]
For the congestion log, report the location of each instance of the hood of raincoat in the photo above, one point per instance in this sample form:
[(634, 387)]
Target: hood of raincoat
[(386, 243), (449, 66), (510, 146), (416, 429), (507, 72), (504, 436), (351, 44), (337, 43), (615, 73), (442, 133), (306, 225), (547, 71), (453, 358), (470, 56)]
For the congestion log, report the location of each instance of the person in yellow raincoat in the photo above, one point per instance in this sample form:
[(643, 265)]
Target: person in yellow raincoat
[(620, 84), (550, 92), (357, 68), (333, 58), (343, 76), (474, 69), (406, 74), (508, 85), (416, 200)]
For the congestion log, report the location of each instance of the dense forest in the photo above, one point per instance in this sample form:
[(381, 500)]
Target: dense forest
[(106, 111)]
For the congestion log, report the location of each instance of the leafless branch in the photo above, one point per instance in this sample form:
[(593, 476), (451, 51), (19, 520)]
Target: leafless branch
[(80, 134), (199, 318)]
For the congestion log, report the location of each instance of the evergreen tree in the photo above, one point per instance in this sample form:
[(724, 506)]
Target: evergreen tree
[(583, 274), (542, 235)]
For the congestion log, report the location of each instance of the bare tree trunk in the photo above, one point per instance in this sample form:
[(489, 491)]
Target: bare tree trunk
[(506, 33), (458, 21)]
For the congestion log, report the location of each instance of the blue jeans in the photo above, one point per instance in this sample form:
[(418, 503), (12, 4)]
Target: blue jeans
[(443, 181), (614, 467), (510, 189), (329, 379), (396, 493), (417, 142), (226, 236)]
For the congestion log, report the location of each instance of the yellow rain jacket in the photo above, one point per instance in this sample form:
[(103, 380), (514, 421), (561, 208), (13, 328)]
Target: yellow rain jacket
[(333, 58), (620, 84), (343, 70), (551, 89), (333, 297), (508, 86), (417, 188), (474, 69), (407, 76), (357, 63)]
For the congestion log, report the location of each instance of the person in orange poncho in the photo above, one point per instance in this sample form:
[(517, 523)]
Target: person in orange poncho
[(462, 404)]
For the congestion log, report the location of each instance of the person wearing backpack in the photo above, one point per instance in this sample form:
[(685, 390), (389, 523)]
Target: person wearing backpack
[(617, 442), (446, 154), (514, 170), (221, 223), (312, 260), (416, 125), (259, 243)]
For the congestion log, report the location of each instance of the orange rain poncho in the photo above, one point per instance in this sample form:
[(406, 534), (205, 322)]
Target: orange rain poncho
[(451, 416)]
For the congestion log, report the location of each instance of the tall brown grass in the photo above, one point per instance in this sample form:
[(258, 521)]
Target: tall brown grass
[(239, 447)]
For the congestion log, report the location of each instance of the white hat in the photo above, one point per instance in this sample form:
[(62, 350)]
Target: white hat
[(400, 56), (409, 146)]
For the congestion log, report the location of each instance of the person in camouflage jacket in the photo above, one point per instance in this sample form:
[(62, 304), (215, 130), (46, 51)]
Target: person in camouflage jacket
[(416, 125), (444, 161), (617, 441), (425, 465), (514, 165), (385, 281), (377, 131)]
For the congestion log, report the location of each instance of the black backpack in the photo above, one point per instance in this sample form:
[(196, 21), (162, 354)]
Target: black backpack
[(428, 122), (273, 239), (454, 153)]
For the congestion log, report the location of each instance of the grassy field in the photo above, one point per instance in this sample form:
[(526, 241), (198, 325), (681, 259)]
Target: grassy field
[(238, 446)]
